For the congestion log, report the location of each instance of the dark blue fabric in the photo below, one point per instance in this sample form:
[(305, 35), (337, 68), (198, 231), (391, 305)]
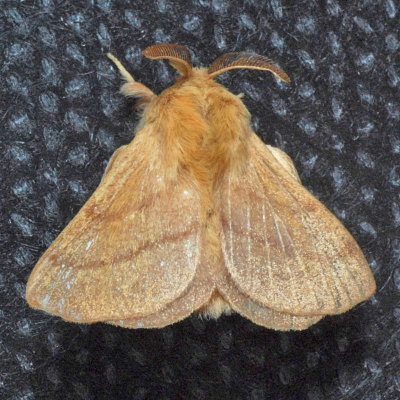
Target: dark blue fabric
[(62, 118)]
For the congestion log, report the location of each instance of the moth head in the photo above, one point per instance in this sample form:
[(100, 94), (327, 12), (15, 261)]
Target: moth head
[(196, 87)]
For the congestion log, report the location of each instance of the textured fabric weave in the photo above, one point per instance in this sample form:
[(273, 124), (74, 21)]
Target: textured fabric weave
[(62, 118)]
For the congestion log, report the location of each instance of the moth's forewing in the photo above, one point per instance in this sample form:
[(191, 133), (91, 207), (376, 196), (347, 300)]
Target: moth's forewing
[(283, 248), (127, 253)]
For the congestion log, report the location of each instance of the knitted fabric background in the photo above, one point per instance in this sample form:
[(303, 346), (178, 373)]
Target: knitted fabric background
[(62, 118)]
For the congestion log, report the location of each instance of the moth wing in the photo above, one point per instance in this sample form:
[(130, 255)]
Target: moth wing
[(131, 251), (282, 248), (259, 313), (198, 294)]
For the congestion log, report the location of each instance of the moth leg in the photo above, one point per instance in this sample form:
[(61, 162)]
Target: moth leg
[(131, 88), (285, 161), (112, 160)]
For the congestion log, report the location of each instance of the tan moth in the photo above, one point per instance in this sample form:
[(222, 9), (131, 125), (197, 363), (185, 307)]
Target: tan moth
[(197, 214)]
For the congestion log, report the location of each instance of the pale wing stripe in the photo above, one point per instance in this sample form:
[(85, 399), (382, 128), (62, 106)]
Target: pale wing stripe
[(267, 245), (284, 263), (278, 230)]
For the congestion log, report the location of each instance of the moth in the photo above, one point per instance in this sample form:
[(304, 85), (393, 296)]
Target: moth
[(198, 215)]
